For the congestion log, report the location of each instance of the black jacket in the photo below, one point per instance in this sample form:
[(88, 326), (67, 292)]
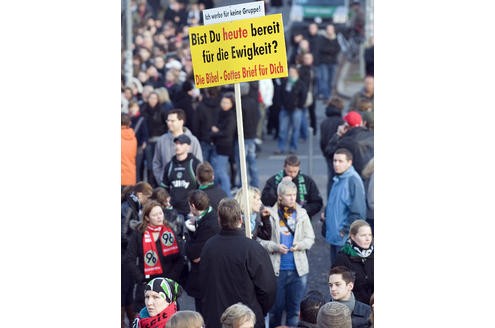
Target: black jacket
[(215, 194), (312, 200), (363, 267), (360, 316), (224, 138), (250, 112), (328, 50), (329, 126), (206, 115), (235, 269), (296, 97), (142, 133), (129, 211), (156, 117), (172, 265), (179, 178), (206, 228), (359, 141)]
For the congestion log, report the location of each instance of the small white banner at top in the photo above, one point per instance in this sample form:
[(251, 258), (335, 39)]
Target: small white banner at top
[(233, 12)]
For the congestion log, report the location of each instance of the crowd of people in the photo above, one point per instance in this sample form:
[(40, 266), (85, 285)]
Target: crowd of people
[(183, 213)]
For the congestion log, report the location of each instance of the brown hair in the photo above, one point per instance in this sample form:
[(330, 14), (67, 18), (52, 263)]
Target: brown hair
[(148, 206), (181, 115), (356, 225), (204, 172), (229, 214), (199, 199)]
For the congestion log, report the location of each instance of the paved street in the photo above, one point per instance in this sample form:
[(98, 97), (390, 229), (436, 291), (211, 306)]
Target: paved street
[(312, 163), (269, 164)]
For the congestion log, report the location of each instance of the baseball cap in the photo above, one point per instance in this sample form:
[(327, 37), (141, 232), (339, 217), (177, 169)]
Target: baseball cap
[(182, 139), (353, 118)]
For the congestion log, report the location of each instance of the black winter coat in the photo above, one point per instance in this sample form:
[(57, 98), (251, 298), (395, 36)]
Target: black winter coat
[(206, 115), (359, 141), (250, 113), (296, 97), (363, 267), (206, 228), (361, 314), (156, 117), (312, 202), (235, 269), (328, 51), (224, 138), (329, 126), (215, 195), (172, 265)]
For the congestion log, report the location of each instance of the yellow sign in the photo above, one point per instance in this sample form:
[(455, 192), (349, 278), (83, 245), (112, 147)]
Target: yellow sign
[(238, 51)]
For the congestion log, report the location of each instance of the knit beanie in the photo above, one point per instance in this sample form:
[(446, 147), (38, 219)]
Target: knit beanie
[(167, 288), (334, 315)]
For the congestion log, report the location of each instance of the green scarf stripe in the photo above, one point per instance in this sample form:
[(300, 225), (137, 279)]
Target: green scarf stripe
[(301, 186)]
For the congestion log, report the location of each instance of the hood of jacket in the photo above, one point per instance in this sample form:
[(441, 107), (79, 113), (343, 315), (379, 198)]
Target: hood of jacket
[(332, 111)]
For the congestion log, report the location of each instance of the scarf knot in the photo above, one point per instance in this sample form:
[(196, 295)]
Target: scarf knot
[(352, 249)]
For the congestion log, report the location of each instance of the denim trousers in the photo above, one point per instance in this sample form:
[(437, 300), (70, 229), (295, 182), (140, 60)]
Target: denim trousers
[(220, 165), (289, 121), (303, 132), (290, 290), (324, 75), (251, 167), (207, 150), (149, 152)]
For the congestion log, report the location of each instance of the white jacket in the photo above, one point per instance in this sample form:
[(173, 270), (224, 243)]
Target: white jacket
[(304, 237)]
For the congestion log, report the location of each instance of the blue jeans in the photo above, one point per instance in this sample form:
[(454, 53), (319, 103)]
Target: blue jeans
[(220, 165), (290, 290), (304, 125), (324, 75), (252, 168), (149, 152), (207, 150), (289, 121)]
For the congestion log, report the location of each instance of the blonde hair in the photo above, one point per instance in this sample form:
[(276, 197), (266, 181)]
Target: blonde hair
[(237, 314), (185, 319), (356, 225), (163, 95), (239, 197)]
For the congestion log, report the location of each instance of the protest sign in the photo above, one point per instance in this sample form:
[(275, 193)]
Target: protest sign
[(238, 51)]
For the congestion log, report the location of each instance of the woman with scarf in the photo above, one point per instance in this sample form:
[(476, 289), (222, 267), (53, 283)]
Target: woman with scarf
[(160, 296), (156, 248), (357, 255), (259, 218), (132, 199)]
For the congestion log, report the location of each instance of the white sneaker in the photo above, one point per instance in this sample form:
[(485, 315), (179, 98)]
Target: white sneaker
[(258, 141)]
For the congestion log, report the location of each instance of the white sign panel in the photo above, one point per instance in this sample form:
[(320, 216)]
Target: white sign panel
[(233, 12)]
